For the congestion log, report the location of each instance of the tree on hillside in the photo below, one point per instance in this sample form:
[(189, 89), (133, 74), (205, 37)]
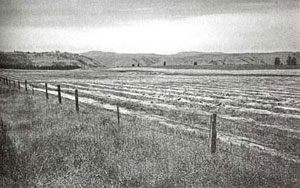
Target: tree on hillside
[(277, 61), (165, 63), (289, 60), (132, 65), (195, 63), (294, 61)]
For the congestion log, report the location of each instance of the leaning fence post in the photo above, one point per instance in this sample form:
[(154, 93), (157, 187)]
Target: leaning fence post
[(59, 94), (213, 133), (76, 100), (25, 85), (118, 114), (46, 86)]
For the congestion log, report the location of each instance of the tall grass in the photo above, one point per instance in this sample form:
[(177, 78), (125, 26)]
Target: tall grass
[(45, 144)]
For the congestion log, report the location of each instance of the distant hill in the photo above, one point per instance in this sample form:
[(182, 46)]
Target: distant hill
[(45, 60), (111, 59), (65, 60)]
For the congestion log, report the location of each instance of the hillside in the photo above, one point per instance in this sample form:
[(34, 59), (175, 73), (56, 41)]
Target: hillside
[(65, 60), (45, 60), (111, 59)]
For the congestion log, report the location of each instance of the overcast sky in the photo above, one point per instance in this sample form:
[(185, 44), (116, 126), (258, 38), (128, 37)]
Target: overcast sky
[(150, 26)]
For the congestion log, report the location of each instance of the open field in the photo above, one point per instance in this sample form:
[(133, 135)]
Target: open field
[(258, 111)]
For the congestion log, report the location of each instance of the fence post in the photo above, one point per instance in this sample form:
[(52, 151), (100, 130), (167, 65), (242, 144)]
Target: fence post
[(118, 115), (213, 133), (76, 100), (59, 94), (9, 83), (14, 84), (25, 85), (46, 86), (19, 85), (32, 90)]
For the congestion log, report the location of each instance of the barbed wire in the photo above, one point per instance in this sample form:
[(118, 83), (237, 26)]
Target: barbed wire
[(33, 84)]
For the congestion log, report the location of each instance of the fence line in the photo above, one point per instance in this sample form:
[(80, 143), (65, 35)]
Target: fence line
[(118, 111), (213, 119)]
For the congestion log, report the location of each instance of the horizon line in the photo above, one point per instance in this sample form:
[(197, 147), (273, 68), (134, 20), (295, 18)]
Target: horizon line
[(192, 51)]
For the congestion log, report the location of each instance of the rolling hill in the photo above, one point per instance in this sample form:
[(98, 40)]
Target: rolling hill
[(65, 60), (111, 59), (45, 60)]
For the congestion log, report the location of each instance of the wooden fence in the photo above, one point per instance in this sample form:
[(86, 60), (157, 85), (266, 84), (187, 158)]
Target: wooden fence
[(6, 80)]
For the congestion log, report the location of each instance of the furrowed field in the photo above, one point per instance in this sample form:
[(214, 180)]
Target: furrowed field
[(162, 140)]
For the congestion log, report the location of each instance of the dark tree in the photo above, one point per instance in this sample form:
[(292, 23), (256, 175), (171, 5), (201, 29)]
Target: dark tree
[(165, 63), (277, 61), (195, 63), (289, 60), (132, 65), (294, 61), (138, 64)]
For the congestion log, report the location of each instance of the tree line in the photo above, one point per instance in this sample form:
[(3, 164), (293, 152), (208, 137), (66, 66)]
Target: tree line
[(26, 66), (290, 61)]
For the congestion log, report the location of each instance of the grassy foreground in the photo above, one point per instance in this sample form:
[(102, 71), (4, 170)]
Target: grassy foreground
[(45, 144)]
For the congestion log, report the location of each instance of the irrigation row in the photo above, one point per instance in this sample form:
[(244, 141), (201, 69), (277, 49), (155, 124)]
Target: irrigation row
[(157, 118)]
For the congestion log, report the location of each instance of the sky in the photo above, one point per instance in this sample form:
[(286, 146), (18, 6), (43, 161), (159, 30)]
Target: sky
[(150, 26)]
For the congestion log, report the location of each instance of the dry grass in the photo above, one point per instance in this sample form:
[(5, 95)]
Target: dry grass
[(44, 144)]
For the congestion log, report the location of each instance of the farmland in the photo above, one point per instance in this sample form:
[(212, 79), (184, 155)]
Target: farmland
[(258, 112), (263, 111)]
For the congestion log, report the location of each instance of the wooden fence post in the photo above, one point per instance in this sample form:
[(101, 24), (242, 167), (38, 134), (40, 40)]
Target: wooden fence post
[(25, 85), (46, 86), (76, 101), (118, 115), (59, 94), (9, 83), (32, 90), (19, 85), (14, 84), (213, 133)]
